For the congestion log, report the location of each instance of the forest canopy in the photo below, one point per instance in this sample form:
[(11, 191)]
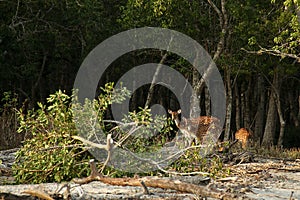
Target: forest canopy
[(255, 45)]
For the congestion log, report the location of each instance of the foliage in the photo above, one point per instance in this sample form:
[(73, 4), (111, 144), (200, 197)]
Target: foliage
[(278, 152), (159, 13), (9, 138), (89, 117), (8, 101), (51, 154), (150, 132), (193, 161), (287, 40), (42, 43)]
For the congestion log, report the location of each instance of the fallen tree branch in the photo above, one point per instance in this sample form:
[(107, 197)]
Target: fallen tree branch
[(39, 194), (155, 183)]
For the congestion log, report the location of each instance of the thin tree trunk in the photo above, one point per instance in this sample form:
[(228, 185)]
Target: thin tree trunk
[(293, 114), (151, 89), (207, 102), (134, 100), (282, 123), (268, 138), (229, 105), (237, 107), (223, 18), (269, 133), (247, 105), (195, 100), (276, 88), (259, 119), (36, 84), (243, 106), (299, 107)]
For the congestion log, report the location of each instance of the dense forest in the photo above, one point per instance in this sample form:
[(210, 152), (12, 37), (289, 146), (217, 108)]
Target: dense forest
[(254, 43)]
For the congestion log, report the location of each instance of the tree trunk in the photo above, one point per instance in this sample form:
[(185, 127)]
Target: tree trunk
[(153, 83), (37, 82), (259, 117), (198, 85), (229, 105), (243, 107), (276, 88), (207, 102), (268, 138), (293, 114), (299, 107), (237, 107), (247, 105), (195, 100), (269, 133)]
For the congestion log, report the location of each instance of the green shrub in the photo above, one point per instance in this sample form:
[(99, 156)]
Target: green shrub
[(51, 154)]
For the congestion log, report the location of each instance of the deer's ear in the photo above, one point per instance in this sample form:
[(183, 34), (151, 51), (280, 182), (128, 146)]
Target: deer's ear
[(179, 111), (169, 111)]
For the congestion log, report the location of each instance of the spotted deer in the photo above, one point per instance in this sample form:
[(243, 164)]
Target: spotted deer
[(195, 128), (243, 136)]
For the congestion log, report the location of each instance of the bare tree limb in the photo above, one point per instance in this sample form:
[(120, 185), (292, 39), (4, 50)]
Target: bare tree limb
[(151, 89), (273, 53), (156, 183)]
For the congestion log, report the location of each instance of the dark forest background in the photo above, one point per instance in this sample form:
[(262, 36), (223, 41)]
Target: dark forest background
[(254, 43)]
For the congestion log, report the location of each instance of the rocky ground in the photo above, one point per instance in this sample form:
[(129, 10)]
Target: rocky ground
[(261, 178)]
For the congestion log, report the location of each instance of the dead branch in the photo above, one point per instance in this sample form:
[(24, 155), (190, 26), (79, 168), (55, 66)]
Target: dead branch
[(39, 194), (108, 147), (156, 183), (100, 146)]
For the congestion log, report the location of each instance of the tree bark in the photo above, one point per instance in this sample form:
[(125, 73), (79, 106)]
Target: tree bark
[(195, 100), (293, 112), (229, 105), (237, 107), (276, 88), (268, 138), (282, 122), (151, 89), (199, 85), (243, 108), (247, 97), (37, 82), (299, 107), (269, 133), (259, 117), (207, 102)]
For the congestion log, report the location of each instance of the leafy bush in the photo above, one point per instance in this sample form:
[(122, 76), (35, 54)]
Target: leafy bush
[(52, 154)]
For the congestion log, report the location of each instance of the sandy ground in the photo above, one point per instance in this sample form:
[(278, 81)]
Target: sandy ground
[(262, 178)]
